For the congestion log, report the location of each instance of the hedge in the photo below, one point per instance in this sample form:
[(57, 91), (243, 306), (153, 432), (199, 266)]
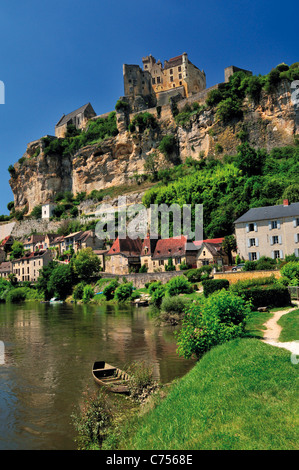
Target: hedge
[(212, 285), (267, 297)]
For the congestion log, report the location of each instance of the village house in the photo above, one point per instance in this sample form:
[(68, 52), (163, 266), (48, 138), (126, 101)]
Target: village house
[(124, 256), (5, 269), (101, 254), (27, 268), (211, 252), (179, 250), (7, 243), (77, 118), (147, 251), (88, 239), (2, 255), (268, 231), (39, 242), (55, 245)]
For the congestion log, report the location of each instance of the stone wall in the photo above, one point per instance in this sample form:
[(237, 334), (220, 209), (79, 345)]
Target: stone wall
[(233, 277), (140, 279)]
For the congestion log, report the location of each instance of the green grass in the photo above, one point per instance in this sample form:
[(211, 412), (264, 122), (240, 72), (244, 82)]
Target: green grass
[(255, 323), (290, 326), (240, 395)]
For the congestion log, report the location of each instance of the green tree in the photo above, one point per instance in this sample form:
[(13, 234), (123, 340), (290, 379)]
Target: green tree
[(229, 244), (60, 281), (86, 264), (17, 250)]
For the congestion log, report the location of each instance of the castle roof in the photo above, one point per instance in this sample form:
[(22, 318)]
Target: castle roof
[(66, 118)]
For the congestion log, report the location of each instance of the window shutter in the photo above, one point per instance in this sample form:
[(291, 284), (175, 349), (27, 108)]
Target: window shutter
[(295, 222), (278, 224), (280, 239), (281, 254), (248, 242), (247, 227), (256, 242), (271, 240), (255, 227), (296, 237), (249, 256), (272, 254), (297, 252), (270, 226), (257, 255)]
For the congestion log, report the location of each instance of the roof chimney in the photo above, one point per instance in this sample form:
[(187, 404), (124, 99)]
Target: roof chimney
[(286, 202)]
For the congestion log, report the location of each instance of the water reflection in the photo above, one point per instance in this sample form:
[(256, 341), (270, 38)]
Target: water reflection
[(49, 352)]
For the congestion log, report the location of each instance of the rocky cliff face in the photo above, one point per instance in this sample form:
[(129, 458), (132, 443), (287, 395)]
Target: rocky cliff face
[(272, 123)]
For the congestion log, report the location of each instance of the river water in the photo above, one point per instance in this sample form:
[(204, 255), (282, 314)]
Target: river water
[(49, 350)]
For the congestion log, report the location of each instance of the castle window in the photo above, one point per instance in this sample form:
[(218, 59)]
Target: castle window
[(180, 83), (145, 66), (171, 79), (180, 68), (153, 80), (180, 76), (158, 79), (171, 71), (173, 85)]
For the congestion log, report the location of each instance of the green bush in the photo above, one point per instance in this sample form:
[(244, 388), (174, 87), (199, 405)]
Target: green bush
[(157, 296), (212, 285), (110, 289), (143, 269), (168, 146), (178, 285), (78, 291), (277, 296), (16, 295), (143, 121), (124, 292), (290, 273), (218, 319), (153, 286), (176, 304), (88, 293)]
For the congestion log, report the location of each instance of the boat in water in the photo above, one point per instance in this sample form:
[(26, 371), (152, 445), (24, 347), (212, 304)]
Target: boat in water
[(113, 378)]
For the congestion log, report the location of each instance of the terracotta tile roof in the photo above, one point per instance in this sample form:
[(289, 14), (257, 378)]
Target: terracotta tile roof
[(169, 247), (150, 245), (126, 246), (208, 240), (31, 255), (57, 240), (5, 240)]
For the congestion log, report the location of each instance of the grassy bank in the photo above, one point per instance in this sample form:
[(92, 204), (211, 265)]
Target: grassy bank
[(290, 326), (240, 395)]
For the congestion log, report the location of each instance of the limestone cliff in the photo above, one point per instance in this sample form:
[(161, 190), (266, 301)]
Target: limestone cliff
[(39, 177)]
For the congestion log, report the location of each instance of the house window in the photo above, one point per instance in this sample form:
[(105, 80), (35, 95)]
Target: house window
[(273, 224), (153, 81), (178, 261), (276, 254), (158, 79), (253, 256), (171, 79), (252, 241), (180, 69), (275, 240), (180, 76), (205, 263), (171, 72), (297, 221), (251, 228)]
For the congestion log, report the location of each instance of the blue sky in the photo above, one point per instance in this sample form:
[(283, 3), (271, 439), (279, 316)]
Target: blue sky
[(59, 55)]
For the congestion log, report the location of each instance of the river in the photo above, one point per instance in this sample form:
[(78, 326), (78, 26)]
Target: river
[(49, 350)]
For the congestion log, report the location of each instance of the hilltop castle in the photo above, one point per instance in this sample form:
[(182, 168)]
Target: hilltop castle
[(154, 85)]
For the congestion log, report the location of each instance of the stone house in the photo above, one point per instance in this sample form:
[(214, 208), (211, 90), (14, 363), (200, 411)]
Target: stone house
[(179, 250), (47, 210), (27, 268), (268, 231), (102, 256), (77, 118), (88, 239), (147, 252), (34, 242), (56, 244), (5, 269), (211, 253), (124, 256), (7, 243)]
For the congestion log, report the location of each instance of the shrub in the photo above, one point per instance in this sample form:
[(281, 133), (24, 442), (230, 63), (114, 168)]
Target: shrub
[(176, 304), (110, 289), (141, 380), (36, 212), (88, 293), (16, 295), (78, 291), (168, 146), (124, 292), (290, 273), (178, 285), (218, 319), (277, 296), (143, 269), (212, 285), (153, 286), (157, 296), (169, 266)]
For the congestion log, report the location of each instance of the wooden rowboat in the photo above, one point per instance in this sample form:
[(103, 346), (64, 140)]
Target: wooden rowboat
[(114, 379)]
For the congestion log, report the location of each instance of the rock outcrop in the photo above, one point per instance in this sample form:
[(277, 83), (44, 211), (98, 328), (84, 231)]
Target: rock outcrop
[(274, 122)]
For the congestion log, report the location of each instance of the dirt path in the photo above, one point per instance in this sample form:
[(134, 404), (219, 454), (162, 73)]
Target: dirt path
[(273, 330)]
